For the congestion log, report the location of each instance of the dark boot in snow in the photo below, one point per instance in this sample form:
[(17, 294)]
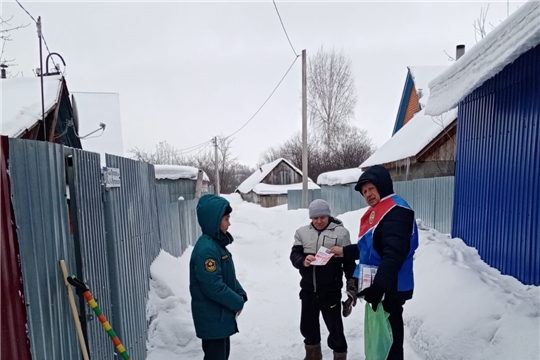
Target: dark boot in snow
[(340, 356), (313, 352)]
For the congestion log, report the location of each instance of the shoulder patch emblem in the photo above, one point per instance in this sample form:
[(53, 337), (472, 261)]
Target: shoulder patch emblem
[(210, 265), (371, 217)]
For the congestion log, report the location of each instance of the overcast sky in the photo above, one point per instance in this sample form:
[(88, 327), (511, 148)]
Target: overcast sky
[(188, 71)]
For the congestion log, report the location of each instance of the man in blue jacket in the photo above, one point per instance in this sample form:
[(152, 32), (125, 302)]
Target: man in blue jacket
[(216, 295), (387, 241)]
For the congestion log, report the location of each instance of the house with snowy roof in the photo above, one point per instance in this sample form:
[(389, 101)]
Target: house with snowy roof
[(68, 117), (337, 188), (22, 110), (421, 146), (269, 184), (339, 177), (181, 181), (496, 86)]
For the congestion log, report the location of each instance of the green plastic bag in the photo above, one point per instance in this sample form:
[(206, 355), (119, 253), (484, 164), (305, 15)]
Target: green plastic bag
[(377, 333)]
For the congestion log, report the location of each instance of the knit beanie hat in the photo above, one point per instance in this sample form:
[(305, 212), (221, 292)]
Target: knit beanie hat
[(318, 208)]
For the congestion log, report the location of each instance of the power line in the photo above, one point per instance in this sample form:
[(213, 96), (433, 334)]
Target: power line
[(285, 30), (42, 35), (202, 146), (195, 147), (47, 46), (22, 7), (200, 151), (267, 99)]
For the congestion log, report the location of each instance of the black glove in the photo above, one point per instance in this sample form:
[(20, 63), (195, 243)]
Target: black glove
[(348, 304), (373, 295), (352, 290)]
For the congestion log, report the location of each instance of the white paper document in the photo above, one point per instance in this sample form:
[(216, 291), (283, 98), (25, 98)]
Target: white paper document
[(322, 256), (367, 273)]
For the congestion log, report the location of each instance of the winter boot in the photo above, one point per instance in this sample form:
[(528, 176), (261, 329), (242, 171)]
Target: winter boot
[(340, 356), (313, 352)]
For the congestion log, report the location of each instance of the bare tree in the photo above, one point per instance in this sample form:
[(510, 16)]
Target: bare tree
[(351, 147), (479, 24), (6, 30), (331, 93), (226, 165), (231, 172), (164, 154)]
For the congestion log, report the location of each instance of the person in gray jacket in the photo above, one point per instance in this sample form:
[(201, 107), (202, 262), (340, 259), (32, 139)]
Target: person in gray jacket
[(321, 285)]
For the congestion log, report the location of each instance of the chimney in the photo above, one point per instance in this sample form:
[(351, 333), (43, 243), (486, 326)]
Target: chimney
[(460, 50), (3, 71)]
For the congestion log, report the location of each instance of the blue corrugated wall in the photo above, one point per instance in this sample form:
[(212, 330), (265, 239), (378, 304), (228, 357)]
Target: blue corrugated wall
[(497, 180)]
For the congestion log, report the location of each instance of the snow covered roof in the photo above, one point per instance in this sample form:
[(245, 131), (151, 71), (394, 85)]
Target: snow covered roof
[(516, 35), (422, 75), (261, 173), (339, 177), (175, 172), (96, 108), (412, 138), (21, 102), (268, 189)]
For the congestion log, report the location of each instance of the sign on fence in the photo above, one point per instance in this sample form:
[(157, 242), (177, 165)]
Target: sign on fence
[(111, 177)]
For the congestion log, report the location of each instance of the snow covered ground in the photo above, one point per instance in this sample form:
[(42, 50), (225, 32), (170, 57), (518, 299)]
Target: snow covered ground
[(462, 308)]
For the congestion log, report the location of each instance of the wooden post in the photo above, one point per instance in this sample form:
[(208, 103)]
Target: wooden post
[(198, 186), (74, 311)]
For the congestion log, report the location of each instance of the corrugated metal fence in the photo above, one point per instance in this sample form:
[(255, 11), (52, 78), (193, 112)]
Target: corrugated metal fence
[(342, 198), (498, 169), (13, 339), (133, 243), (189, 228), (88, 220), (431, 199), (169, 221), (38, 188), (116, 234), (294, 198)]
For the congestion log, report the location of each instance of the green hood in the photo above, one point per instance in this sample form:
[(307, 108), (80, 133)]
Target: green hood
[(210, 210)]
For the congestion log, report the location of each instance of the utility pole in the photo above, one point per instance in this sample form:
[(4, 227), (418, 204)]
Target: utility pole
[(305, 198), (217, 166)]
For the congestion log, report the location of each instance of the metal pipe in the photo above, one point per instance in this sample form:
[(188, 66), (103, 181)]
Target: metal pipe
[(47, 61), (41, 75)]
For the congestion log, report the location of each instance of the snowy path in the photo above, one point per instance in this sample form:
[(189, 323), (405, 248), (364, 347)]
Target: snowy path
[(269, 324)]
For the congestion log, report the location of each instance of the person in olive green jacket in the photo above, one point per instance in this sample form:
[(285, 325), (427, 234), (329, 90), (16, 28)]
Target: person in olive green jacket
[(217, 297)]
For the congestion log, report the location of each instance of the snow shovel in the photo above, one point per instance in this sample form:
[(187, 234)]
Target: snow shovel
[(378, 337), (83, 289)]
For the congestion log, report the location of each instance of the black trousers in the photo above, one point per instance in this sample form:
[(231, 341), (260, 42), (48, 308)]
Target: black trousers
[(329, 304), (216, 349), (394, 307)]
